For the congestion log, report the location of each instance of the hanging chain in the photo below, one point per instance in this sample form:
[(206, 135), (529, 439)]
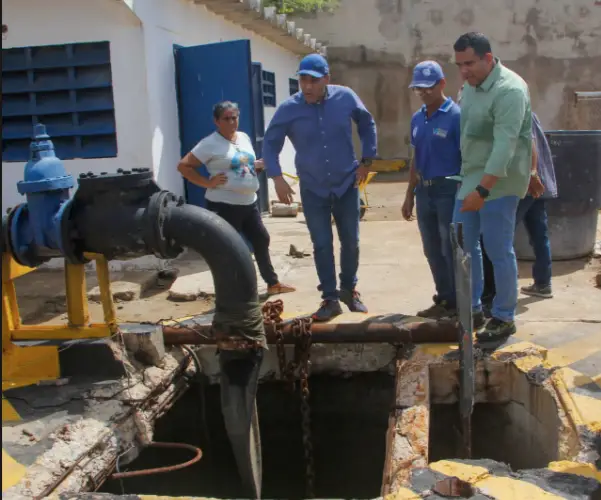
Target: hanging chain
[(304, 346), (301, 328)]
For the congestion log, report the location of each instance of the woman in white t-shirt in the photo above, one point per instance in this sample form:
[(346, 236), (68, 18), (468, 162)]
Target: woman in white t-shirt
[(232, 185)]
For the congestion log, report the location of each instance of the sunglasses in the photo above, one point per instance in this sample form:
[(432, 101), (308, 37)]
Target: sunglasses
[(230, 118), (421, 91)]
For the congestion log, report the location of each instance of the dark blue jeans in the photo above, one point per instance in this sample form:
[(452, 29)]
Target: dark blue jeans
[(496, 222), (318, 214), (533, 213), (434, 206)]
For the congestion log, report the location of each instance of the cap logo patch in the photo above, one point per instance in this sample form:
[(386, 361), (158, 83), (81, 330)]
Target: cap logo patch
[(426, 72)]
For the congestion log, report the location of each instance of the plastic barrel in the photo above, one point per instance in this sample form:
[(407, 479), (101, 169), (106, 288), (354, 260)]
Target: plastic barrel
[(573, 214)]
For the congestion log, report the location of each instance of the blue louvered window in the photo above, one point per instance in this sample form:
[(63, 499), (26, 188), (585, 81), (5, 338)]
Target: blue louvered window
[(293, 85), (69, 89), (268, 81)]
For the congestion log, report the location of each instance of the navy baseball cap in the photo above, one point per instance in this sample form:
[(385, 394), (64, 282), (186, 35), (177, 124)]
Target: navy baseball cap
[(314, 65), (426, 74)]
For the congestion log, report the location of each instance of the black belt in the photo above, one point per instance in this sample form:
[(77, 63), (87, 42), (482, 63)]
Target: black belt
[(435, 180)]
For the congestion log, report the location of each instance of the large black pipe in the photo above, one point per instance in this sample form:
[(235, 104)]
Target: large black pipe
[(127, 215), (237, 308), (237, 312)]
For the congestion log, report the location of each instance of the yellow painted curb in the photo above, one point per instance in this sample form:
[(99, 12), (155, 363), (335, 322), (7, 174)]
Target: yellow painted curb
[(505, 488), (403, 494), (465, 472), (577, 468), (12, 471), (9, 414)]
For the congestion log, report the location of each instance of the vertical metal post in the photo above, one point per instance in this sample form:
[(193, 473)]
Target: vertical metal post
[(463, 279)]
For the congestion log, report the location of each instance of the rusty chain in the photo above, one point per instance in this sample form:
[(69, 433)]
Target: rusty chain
[(301, 328)]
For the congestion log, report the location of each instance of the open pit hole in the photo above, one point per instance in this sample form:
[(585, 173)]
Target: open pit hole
[(349, 423), (514, 421)]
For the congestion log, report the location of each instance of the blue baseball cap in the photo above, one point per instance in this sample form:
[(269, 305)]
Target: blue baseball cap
[(314, 65), (426, 74)]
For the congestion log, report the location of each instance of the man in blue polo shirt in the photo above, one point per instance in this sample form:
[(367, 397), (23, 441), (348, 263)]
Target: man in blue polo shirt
[(318, 122), (436, 158)]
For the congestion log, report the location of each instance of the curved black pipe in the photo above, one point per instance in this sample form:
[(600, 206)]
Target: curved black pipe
[(237, 308), (237, 312), (127, 215)]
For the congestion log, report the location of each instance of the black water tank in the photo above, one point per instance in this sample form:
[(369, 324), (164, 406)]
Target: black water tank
[(573, 214)]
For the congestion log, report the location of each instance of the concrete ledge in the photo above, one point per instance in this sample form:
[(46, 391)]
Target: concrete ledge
[(70, 443)]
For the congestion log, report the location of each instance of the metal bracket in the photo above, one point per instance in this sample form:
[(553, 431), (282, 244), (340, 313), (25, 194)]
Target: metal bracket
[(463, 279)]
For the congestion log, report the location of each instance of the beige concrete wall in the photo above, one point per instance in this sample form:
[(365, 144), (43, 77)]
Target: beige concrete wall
[(373, 44)]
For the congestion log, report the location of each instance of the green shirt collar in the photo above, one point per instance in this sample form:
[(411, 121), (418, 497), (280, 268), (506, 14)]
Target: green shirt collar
[(492, 77)]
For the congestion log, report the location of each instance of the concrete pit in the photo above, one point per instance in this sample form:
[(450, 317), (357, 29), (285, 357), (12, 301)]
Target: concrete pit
[(381, 425), (516, 423), (349, 422)]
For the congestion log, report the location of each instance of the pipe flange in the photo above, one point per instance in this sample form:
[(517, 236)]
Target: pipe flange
[(25, 254), (6, 225), (158, 209), (71, 250)]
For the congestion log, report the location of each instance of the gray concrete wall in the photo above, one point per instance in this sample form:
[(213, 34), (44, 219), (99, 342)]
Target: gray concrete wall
[(373, 44)]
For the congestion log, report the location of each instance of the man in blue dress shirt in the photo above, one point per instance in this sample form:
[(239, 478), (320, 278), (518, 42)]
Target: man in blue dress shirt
[(435, 141), (318, 122)]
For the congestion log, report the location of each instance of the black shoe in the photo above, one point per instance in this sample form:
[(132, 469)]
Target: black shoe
[(479, 320), (534, 290), (352, 300), (496, 330), (438, 310), (329, 308)]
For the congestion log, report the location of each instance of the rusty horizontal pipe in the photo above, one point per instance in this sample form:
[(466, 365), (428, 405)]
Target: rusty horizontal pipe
[(367, 332)]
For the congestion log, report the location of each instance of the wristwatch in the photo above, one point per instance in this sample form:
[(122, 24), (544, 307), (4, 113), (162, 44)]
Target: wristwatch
[(482, 191), (366, 162)]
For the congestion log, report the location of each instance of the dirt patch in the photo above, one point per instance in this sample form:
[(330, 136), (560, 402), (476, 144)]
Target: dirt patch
[(153, 308)]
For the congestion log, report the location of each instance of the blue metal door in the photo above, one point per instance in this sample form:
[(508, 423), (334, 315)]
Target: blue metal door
[(205, 75), (257, 90)]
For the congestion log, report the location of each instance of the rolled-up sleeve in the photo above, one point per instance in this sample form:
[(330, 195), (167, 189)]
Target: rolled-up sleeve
[(509, 110), (366, 127), (273, 142)]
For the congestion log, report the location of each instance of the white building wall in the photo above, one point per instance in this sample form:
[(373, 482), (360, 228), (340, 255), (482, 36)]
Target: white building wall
[(185, 23), (141, 34), (36, 22)]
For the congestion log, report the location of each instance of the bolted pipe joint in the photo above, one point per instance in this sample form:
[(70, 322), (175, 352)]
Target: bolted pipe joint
[(120, 216), (32, 230)]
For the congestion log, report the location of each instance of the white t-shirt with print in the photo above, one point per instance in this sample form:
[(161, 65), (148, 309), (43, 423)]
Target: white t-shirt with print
[(236, 159)]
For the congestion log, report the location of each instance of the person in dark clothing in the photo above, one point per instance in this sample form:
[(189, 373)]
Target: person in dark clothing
[(232, 186), (436, 159), (532, 211), (318, 121)]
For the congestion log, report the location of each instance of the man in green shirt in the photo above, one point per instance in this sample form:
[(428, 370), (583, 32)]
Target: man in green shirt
[(496, 149)]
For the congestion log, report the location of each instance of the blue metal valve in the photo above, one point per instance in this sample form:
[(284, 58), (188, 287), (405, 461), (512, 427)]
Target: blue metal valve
[(35, 226)]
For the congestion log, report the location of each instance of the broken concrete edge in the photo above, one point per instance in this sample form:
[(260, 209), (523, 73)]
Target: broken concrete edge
[(414, 370), (486, 479), (144, 343), (117, 423), (408, 434)]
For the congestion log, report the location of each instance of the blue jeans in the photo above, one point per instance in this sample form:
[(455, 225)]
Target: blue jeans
[(534, 214), (318, 214), (434, 206), (496, 222)]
